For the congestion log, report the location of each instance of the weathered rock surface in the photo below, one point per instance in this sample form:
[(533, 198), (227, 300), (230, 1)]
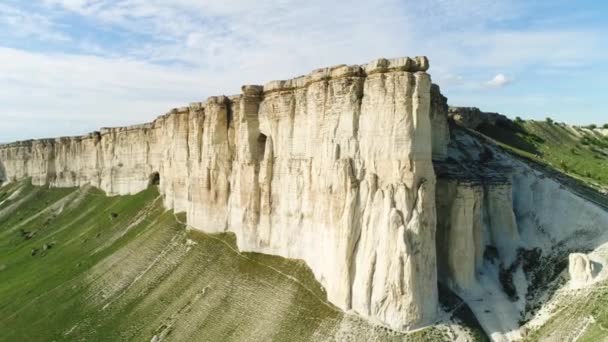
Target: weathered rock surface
[(473, 217), (334, 168), (581, 268), (460, 243)]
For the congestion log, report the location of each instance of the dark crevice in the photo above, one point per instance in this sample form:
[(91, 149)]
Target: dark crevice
[(154, 179), (261, 146)]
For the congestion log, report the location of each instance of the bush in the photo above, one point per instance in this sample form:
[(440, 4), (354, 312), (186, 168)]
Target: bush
[(592, 126), (520, 120), (605, 126), (549, 121)]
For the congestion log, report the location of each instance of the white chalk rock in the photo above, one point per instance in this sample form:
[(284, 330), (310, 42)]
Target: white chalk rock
[(334, 168), (581, 268)]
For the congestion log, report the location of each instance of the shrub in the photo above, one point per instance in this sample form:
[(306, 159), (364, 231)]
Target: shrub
[(605, 126), (592, 126), (520, 120), (549, 121)]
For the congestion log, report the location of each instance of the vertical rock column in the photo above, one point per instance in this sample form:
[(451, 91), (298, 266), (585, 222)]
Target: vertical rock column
[(250, 144), (501, 221), (472, 216), (209, 188), (460, 244), (395, 279)]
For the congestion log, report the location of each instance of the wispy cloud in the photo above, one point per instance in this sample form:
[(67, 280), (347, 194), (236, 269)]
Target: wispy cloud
[(21, 24), (124, 61), (499, 81)]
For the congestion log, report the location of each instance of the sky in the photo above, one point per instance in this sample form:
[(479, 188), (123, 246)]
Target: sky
[(68, 67)]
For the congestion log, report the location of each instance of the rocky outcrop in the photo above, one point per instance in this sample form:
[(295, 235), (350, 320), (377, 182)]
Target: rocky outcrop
[(472, 117), (474, 220), (334, 168), (581, 268), (460, 240), (441, 130)]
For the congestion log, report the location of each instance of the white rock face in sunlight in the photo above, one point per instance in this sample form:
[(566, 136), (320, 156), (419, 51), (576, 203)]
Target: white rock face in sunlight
[(334, 168), (581, 268)]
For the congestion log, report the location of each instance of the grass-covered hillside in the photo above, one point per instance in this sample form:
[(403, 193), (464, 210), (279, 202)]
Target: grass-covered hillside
[(76, 265), (579, 152), (577, 315)]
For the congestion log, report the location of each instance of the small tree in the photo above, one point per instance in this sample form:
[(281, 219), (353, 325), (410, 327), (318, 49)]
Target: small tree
[(520, 120), (549, 121), (592, 126), (605, 126)]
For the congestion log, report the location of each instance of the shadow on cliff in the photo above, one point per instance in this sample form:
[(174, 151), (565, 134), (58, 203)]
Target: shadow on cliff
[(2, 173)]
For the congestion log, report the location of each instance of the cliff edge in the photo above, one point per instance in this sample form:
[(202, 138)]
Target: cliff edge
[(334, 168)]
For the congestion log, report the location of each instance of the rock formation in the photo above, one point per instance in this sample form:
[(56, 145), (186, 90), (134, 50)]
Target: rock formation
[(334, 168), (581, 268), (473, 217), (472, 117)]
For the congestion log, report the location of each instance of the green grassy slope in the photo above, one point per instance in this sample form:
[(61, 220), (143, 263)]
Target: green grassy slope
[(77, 265), (580, 153), (581, 315)]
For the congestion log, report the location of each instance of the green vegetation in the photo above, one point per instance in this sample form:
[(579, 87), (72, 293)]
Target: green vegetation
[(581, 153), (581, 314), (77, 265)]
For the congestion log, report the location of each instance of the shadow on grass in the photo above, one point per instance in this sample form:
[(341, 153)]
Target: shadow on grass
[(512, 134)]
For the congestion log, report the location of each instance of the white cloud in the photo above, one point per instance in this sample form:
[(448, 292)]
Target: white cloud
[(499, 81), (53, 94), (199, 48), (21, 24)]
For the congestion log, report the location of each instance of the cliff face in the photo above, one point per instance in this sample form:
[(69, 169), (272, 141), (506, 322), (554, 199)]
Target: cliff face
[(504, 226), (334, 168)]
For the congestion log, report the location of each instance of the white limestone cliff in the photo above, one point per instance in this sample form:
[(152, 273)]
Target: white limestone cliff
[(334, 168), (460, 238)]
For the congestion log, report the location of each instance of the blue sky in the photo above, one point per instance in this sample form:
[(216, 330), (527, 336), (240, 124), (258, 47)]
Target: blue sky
[(71, 66)]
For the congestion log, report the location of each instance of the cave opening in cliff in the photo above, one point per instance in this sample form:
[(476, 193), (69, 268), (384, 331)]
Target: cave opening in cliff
[(154, 179), (261, 146)]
